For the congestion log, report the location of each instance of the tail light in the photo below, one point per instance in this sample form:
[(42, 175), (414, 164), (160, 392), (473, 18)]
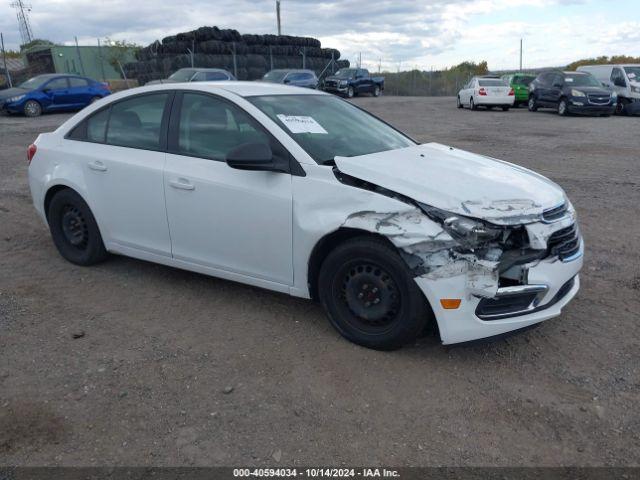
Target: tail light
[(511, 92), (482, 91), (31, 151)]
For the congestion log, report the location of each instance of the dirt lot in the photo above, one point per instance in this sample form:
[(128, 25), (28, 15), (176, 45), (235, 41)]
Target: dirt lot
[(176, 368)]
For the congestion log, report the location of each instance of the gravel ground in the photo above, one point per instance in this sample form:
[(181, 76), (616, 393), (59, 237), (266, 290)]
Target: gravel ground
[(175, 368)]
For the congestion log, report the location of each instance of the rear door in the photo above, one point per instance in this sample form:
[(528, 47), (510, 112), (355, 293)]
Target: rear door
[(79, 91), (231, 220), (123, 161)]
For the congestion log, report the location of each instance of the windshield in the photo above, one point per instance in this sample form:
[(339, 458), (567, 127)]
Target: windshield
[(633, 73), (578, 80), (345, 73), (33, 83), (182, 75), (275, 76), (523, 80), (327, 127), (492, 83)]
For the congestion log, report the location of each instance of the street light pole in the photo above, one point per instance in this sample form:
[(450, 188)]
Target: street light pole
[(278, 16)]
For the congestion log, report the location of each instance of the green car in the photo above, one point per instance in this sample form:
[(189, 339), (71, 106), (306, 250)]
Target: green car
[(520, 84)]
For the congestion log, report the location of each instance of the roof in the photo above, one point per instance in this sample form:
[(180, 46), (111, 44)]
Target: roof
[(243, 89)]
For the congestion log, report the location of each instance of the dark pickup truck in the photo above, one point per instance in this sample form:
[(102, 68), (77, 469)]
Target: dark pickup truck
[(353, 81)]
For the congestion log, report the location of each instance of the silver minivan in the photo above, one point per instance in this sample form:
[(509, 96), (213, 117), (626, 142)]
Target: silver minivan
[(624, 79)]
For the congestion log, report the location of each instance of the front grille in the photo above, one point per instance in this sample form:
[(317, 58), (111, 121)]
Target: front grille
[(596, 99), (330, 83), (555, 213), (564, 243)]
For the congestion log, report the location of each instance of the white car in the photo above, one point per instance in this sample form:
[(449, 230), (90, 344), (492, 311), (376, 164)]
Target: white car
[(301, 192), (486, 92)]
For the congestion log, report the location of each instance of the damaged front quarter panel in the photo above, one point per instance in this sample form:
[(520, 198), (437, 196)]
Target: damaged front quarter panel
[(430, 251)]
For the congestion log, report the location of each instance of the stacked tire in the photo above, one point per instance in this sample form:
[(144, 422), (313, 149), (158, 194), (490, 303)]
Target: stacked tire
[(213, 47)]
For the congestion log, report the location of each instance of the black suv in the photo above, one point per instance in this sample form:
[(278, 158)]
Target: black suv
[(571, 92)]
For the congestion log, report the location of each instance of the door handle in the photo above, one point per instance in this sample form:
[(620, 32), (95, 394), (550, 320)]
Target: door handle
[(98, 166), (182, 184)]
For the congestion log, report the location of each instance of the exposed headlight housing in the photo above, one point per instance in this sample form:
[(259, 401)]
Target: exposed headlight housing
[(635, 89), (17, 98), (343, 83), (468, 231), (577, 93)]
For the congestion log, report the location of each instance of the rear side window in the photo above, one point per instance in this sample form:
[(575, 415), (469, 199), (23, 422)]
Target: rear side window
[(137, 122), (523, 80), (97, 126), (216, 76), (210, 128), (78, 82)]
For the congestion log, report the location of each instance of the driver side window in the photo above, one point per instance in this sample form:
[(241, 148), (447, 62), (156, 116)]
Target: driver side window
[(211, 128)]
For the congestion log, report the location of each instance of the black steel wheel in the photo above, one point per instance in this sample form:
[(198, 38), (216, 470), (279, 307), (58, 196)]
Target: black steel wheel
[(370, 295), (74, 229)]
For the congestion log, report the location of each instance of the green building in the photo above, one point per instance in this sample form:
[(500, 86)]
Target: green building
[(87, 61)]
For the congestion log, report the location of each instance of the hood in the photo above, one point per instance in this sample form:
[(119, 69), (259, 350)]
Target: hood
[(12, 92), (594, 90), (157, 82), (337, 79), (459, 182)]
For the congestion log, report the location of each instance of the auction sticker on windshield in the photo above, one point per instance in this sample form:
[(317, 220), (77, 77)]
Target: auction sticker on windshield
[(301, 124)]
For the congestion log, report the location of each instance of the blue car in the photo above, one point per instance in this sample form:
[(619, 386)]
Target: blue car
[(52, 92), (296, 78)]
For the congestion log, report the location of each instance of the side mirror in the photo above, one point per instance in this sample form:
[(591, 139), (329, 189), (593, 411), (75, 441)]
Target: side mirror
[(286, 81), (252, 156)]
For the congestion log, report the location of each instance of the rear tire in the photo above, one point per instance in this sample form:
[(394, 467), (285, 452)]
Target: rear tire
[(370, 295), (74, 229), (533, 104), (472, 104), (505, 109)]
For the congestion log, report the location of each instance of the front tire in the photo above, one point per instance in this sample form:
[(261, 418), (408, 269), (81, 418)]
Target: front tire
[(370, 295), (32, 109), (74, 229), (376, 91), (458, 102), (533, 105), (563, 107), (350, 92)]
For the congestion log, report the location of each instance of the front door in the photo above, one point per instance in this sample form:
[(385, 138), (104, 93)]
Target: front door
[(57, 90), (219, 217)]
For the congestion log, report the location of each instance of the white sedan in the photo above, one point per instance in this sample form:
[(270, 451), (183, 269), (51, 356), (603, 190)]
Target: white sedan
[(301, 192), (486, 92)]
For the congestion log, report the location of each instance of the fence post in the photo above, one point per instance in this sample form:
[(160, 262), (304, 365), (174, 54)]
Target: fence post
[(101, 61), (4, 57), (79, 57)]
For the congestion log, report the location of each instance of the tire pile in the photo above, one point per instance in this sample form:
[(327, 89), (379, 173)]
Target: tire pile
[(213, 47)]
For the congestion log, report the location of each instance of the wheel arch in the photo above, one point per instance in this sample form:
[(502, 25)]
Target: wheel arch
[(325, 245)]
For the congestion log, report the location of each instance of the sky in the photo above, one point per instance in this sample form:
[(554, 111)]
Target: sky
[(387, 34)]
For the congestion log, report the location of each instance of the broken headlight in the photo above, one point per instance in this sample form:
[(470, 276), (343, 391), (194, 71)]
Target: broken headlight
[(467, 231)]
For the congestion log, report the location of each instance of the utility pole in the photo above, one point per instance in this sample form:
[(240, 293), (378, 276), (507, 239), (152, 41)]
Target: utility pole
[(104, 79), (520, 54), (278, 17), (4, 57), (23, 20)]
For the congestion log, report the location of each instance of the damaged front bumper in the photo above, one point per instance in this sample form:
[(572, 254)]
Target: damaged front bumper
[(551, 284)]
